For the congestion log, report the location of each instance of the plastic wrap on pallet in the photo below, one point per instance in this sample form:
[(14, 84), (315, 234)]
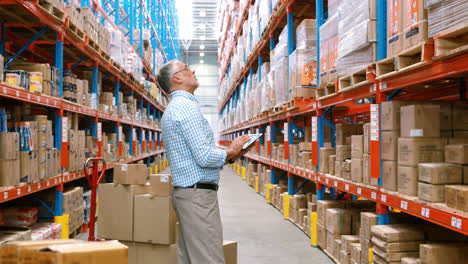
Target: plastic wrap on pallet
[(46, 231), (353, 26), (281, 81), (264, 13), (333, 6), (445, 14), (297, 59), (328, 36), (355, 61), (306, 34), (18, 216)]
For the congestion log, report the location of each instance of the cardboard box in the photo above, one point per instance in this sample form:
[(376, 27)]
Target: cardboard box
[(339, 221), (321, 236), (331, 164), (343, 152), (9, 253), (459, 116), (390, 145), (141, 253), (368, 220), (154, 220), (161, 184), (440, 173), (130, 173), (396, 246), (230, 252), (366, 177), (393, 257), (366, 143), (346, 241), (9, 145), (443, 253), (395, 27), (116, 222), (86, 252), (456, 197), (410, 261), (419, 121), (356, 252), (398, 232), (412, 151), (456, 154), (322, 207), (305, 146), (337, 248), (365, 246), (345, 131), (390, 115), (465, 174), (344, 257), (331, 242), (434, 193), (325, 153), (9, 172), (14, 233), (356, 170), (408, 180), (357, 146), (414, 23), (389, 175)]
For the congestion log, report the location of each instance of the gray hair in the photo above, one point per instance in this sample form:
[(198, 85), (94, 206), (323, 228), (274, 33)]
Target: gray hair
[(165, 74)]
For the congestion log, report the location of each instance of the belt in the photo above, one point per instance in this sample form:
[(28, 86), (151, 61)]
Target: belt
[(202, 185)]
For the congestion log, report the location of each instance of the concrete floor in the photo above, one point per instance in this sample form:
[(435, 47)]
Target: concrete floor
[(263, 236)]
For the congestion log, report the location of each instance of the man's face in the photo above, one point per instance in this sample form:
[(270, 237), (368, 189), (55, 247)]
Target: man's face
[(184, 75)]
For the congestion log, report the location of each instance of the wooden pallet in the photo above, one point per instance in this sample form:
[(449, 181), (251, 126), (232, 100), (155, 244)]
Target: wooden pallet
[(75, 32), (386, 68), (357, 79), (451, 42), (415, 57), (105, 56), (326, 90), (76, 232), (54, 12)]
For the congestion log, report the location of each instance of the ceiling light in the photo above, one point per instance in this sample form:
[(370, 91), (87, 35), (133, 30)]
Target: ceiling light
[(202, 61), (202, 54), (202, 47), (202, 13)]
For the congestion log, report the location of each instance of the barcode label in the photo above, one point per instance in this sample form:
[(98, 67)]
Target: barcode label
[(457, 223), (359, 191), (347, 187), (383, 198), (425, 212), (374, 195)]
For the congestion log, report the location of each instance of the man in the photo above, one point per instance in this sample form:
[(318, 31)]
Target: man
[(195, 164)]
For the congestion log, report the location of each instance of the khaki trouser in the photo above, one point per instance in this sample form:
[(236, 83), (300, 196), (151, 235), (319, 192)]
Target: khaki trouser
[(200, 233)]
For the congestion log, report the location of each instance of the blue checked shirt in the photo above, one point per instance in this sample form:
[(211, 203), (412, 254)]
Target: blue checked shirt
[(189, 142)]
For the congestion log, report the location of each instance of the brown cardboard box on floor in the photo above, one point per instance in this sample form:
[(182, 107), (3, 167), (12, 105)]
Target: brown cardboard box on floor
[(322, 207), (116, 222), (394, 257), (337, 248), (408, 180), (130, 173), (389, 175), (344, 257), (161, 184), (412, 151), (339, 221), (410, 261), (154, 220), (356, 170), (440, 173), (230, 252), (321, 236), (357, 146), (331, 242), (346, 241), (105, 252), (443, 253), (365, 245), (142, 253), (398, 232), (390, 145), (407, 246), (368, 219), (419, 121), (10, 252), (356, 252), (456, 154)]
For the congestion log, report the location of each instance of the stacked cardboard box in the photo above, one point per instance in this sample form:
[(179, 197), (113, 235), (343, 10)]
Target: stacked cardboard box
[(438, 253), (393, 242), (9, 159), (368, 220), (50, 76), (355, 255), (90, 23), (76, 150), (297, 208), (433, 177), (340, 222), (73, 206), (305, 155), (345, 253)]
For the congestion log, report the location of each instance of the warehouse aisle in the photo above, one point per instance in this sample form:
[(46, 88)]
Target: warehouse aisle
[(263, 235)]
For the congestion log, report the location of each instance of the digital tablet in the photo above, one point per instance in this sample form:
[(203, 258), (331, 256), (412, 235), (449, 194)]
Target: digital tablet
[(253, 138)]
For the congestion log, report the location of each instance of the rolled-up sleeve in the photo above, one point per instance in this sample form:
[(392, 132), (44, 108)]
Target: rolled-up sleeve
[(197, 139)]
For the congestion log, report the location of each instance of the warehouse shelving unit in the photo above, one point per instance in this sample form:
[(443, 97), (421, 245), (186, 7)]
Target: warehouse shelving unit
[(441, 77), (45, 35)]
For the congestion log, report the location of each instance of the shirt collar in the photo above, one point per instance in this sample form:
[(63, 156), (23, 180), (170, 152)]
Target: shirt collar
[(183, 94)]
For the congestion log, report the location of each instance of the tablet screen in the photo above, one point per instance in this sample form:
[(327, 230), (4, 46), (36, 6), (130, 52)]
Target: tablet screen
[(253, 138)]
